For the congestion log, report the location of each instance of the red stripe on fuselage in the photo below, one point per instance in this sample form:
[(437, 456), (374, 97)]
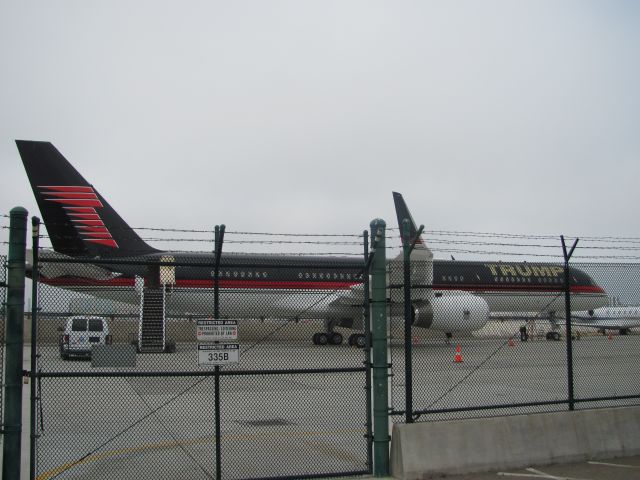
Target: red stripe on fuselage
[(306, 285), (195, 284)]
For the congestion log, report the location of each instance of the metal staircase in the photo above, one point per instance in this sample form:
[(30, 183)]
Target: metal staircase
[(152, 328)]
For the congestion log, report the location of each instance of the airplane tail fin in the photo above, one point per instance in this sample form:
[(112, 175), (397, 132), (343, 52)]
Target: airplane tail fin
[(421, 256), (79, 220), (402, 212)]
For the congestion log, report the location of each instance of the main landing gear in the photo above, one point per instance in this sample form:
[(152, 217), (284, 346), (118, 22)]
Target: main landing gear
[(335, 338), (327, 338), (331, 337)]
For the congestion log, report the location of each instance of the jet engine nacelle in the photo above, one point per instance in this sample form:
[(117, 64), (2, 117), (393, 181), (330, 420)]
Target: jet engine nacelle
[(455, 313), (451, 313)]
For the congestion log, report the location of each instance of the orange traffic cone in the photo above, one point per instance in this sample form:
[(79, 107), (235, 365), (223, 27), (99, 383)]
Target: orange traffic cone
[(510, 343), (610, 337), (457, 357)]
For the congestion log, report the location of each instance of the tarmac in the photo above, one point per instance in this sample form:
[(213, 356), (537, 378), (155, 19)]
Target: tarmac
[(492, 375)]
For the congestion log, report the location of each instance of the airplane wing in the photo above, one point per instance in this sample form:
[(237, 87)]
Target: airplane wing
[(55, 269)]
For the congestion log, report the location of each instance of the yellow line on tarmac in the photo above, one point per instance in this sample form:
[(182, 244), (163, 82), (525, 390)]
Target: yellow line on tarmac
[(613, 465), (176, 444)]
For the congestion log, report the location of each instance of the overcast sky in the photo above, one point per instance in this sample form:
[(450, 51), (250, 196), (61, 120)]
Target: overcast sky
[(303, 116)]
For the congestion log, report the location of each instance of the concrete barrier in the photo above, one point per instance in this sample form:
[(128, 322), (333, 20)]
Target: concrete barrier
[(432, 449)]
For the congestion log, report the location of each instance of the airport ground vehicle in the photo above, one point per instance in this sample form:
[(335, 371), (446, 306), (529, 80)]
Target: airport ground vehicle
[(80, 334)]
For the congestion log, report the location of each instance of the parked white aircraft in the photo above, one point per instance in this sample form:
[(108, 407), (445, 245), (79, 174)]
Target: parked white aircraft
[(609, 318)]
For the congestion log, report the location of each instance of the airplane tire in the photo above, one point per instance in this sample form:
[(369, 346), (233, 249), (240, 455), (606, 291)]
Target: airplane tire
[(336, 338), (314, 339), (322, 338)]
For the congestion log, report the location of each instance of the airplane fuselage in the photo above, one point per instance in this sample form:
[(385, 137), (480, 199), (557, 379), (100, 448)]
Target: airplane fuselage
[(512, 287)]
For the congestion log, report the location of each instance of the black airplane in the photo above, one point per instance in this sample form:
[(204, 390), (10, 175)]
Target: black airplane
[(81, 224)]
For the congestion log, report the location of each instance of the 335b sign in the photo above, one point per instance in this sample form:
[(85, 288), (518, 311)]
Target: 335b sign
[(218, 354)]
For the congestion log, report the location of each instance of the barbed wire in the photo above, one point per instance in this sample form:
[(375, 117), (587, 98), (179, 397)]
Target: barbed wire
[(450, 233), (447, 233), (463, 233), (265, 234), (431, 242), (437, 240), (435, 249), (398, 249), (525, 245)]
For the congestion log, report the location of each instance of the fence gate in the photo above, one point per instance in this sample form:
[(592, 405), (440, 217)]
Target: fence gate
[(286, 409)]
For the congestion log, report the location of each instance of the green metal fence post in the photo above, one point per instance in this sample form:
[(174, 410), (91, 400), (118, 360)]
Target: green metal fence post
[(379, 343), (14, 344), (35, 239), (366, 304)]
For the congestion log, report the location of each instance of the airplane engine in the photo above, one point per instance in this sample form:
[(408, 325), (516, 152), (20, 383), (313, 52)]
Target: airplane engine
[(451, 313)]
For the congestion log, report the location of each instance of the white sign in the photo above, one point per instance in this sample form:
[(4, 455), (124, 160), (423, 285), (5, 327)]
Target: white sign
[(218, 354), (216, 330)]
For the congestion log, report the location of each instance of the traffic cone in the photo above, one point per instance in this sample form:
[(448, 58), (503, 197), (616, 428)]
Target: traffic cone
[(457, 357), (510, 343), (610, 337)]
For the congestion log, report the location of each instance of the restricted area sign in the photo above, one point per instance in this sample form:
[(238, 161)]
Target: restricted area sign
[(216, 330), (218, 354)]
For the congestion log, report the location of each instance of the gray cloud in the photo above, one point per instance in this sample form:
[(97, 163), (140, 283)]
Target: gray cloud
[(303, 116)]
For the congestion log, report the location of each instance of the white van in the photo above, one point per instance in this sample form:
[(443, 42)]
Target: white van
[(81, 333)]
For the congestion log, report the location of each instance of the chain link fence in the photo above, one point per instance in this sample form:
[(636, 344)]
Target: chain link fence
[(125, 389), (128, 382), (518, 358)]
